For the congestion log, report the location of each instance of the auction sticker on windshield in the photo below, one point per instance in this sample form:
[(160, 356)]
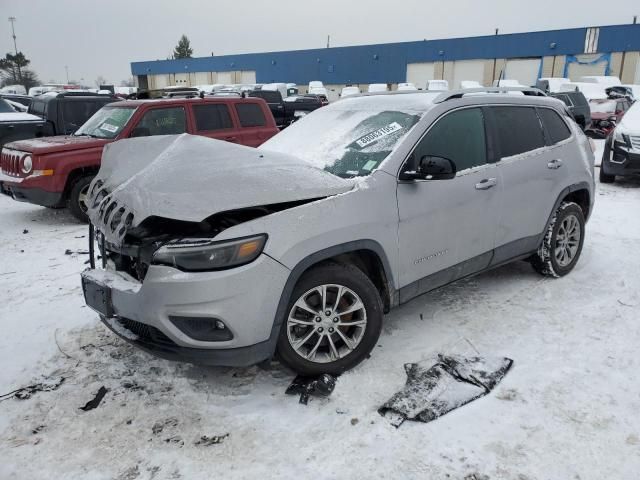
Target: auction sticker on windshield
[(376, 135), (109, 128)]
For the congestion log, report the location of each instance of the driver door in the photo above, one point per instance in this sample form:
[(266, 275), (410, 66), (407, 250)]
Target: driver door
[(447, 228)]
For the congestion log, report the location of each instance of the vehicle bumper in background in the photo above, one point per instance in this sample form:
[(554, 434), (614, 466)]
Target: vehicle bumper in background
[(245, 299), (621, 162), (37, 196)]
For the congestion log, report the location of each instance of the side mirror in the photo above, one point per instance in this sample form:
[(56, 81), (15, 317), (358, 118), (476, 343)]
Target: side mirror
[(431, 168)]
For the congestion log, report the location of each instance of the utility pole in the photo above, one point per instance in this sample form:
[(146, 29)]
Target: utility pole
[(66, 67), (15, 46), (328, 40)]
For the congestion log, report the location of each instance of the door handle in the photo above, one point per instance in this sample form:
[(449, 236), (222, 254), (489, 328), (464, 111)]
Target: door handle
[(554, 164), (486, 184)]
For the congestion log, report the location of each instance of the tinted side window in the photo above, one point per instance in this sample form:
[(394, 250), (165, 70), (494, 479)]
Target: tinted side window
[(212, 117), (268, 96), (458, 136), (518, 130), (75, 113), (38, 107), (250, 115), (162, 121), (555, 126)]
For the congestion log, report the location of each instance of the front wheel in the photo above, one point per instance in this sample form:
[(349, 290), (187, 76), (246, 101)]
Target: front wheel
[(78, 198), (334, 318), (562, 244)]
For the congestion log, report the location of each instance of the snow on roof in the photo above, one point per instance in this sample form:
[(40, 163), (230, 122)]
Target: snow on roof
[(17, 117)]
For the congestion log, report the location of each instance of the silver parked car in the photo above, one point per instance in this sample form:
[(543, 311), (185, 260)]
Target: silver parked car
[(222, 254)]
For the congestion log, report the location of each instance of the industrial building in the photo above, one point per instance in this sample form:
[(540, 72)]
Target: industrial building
[(572, 53)]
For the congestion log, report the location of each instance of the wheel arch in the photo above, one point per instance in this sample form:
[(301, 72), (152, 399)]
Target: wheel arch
[(74, 175), (367, 255)]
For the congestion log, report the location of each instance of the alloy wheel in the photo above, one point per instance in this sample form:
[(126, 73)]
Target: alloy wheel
[(326, 323), (567, 240)]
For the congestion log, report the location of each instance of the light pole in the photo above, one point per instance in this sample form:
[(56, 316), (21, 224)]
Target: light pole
[(15, 46), (66, 67)]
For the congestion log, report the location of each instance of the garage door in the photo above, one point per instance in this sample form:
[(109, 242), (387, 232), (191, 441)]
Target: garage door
[(225, 78), (248, 76), (160, 81), (419, 73), (467, 70), (200, 78), (584, 66), (182, 79), (524, 70), (637, 80)]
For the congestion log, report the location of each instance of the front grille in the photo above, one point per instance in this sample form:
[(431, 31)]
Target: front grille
[(113, 218), (635, 142), (10, 162), (147, 335)]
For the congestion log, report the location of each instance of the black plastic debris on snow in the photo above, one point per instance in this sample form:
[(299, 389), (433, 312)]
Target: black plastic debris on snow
[(76, 252), (206, 441), (320, 386), (435, 389), (25, 393), (93, 403)]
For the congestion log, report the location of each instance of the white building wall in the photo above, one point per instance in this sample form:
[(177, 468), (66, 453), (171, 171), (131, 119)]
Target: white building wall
[(467, 70), (524, 70), (248, 76), (419, 73)]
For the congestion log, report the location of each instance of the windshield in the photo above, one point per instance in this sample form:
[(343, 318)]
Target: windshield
[(603, 107), (107, 122), (5, 107), (344, 141)]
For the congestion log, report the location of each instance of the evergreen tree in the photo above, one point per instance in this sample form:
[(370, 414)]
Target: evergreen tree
[(183, 49)]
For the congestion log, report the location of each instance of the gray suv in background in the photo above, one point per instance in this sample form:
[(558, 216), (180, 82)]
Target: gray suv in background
[(221, 254)]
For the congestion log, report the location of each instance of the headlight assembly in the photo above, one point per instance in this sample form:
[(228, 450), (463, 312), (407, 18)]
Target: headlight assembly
[(27, 164), (202, 254)]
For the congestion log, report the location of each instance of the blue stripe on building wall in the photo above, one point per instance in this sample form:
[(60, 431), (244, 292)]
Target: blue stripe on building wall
[(388, 62)]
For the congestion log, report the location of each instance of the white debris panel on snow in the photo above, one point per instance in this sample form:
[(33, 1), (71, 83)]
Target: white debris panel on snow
[(566, 410)]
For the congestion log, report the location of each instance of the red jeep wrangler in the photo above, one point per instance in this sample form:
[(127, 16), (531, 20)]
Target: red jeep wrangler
[(56, 171)]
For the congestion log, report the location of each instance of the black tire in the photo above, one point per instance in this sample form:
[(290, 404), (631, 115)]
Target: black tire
[(74, 203), (545, 261), (354, 279)]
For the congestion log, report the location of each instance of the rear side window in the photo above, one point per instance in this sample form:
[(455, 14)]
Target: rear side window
[(458, 136), (565, 98), (518, 130), (212, 117), (556, 129), (268, 96), (162, 121), (250, 115), (75, 113), (38, 107)]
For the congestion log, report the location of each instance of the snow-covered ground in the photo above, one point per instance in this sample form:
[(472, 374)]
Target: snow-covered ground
[(567, 410)]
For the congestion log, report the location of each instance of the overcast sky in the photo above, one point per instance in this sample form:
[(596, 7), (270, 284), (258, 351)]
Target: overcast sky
[(102, 38)]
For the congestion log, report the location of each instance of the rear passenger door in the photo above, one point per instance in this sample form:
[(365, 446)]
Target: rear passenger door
[(532, 145), (446, 223), (214, 120), (253, 123)]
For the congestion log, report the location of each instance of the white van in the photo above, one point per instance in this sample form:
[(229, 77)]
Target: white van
[(438, 85), (377, 87), (591, 91)]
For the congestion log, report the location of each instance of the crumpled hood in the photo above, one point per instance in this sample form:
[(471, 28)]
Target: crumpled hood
[(190, 178)]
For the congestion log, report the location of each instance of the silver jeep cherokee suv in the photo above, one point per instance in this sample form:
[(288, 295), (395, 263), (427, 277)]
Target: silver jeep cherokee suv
[(221, 254)]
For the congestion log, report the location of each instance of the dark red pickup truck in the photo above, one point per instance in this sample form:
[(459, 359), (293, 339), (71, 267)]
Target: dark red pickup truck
[(56, 171)]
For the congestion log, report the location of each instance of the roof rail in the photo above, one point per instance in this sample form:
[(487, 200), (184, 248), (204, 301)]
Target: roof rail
[(83, 94), (531, 91)]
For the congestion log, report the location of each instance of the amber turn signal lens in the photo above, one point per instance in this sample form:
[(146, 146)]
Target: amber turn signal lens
[(248, 249)]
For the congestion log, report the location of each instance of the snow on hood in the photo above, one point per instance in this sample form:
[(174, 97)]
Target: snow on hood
[(58, 143), (190, 178), (631, 120)]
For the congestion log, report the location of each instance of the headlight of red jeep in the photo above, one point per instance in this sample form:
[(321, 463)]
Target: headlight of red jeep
[(199, 255), (26, 164)]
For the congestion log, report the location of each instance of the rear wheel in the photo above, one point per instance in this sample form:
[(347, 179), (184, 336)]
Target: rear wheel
[(78, 198), (334, 318), (562, 244)]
